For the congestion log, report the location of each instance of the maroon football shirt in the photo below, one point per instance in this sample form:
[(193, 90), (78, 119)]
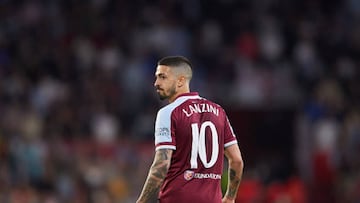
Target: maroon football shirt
[(197, 130)]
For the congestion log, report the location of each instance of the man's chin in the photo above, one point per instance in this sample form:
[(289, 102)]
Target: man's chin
[(162, 97)]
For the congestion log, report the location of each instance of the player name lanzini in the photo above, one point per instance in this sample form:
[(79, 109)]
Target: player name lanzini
[(200, 108)]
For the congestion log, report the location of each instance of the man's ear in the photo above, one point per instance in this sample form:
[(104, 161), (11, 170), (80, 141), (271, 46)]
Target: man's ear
[(181, 81)]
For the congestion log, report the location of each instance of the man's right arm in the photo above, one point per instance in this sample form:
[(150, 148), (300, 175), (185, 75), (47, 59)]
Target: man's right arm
[(157, 174), (236, 166)]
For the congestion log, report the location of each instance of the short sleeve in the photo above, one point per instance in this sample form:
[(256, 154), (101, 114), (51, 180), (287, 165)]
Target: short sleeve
[(163, 135), (229, 135)]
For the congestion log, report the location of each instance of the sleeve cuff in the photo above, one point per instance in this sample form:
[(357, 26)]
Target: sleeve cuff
[(165, 147), (230, 143)]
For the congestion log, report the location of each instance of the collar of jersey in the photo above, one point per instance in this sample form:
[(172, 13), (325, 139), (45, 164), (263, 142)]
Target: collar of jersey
[(189, 94)]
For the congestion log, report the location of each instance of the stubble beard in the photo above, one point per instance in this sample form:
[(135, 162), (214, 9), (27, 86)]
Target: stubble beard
[(162, 97), (172, 92)]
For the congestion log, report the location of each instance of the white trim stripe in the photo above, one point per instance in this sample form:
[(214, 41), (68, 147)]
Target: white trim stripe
[(230, 143), (165, 147)]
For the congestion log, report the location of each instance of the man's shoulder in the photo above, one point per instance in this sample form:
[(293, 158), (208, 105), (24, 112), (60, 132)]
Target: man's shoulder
[(177, 103), (169, 108)]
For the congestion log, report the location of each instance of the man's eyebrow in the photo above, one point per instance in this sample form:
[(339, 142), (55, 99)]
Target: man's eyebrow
[(160, 74)]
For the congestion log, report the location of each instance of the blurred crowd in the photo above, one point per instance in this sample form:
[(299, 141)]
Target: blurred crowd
[(77, 104)]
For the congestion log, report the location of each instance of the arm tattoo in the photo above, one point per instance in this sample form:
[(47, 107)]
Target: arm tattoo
[(157, 174), (234, 182)]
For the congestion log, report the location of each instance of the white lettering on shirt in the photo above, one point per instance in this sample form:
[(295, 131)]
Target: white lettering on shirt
[(200, 108)]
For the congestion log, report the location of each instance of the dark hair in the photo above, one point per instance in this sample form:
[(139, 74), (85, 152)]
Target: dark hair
[(174, 61)]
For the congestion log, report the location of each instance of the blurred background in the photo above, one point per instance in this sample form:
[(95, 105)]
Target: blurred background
[(77, 102)]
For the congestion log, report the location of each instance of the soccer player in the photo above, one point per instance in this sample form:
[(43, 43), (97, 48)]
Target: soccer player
[(192, 135)]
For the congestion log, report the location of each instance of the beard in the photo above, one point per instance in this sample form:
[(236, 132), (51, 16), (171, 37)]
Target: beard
[(162, 96), (167, 94)]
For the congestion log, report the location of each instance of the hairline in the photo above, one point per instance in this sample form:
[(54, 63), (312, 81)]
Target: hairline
[(178, 62)]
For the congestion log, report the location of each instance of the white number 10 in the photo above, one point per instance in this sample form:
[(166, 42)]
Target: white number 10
[(199, 145)]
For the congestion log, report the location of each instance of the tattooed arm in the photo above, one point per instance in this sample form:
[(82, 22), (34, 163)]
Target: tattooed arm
[(236, 166), (156, 175)]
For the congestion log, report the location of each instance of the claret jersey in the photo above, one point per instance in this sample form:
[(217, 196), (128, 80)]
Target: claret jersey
[(198, 131)]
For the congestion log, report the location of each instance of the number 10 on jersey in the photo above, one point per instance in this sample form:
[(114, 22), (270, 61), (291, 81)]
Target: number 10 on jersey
[(199, 145)]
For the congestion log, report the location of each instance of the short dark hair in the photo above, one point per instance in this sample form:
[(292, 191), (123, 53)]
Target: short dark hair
[(174, 61)]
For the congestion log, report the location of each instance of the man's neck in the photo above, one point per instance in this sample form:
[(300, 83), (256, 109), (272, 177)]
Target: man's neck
[(173, 98)]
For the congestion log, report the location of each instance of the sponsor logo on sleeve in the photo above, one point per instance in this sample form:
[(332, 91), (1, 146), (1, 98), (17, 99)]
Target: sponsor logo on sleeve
[(162, 135), (162, 132)]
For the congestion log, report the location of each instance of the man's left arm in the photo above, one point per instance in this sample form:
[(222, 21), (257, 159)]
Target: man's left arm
[(157, 174)]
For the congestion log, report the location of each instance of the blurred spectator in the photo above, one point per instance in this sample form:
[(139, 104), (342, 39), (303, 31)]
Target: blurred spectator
[(252, 189)]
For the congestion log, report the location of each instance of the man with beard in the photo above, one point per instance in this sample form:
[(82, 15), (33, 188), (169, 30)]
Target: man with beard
[(192, 136)]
